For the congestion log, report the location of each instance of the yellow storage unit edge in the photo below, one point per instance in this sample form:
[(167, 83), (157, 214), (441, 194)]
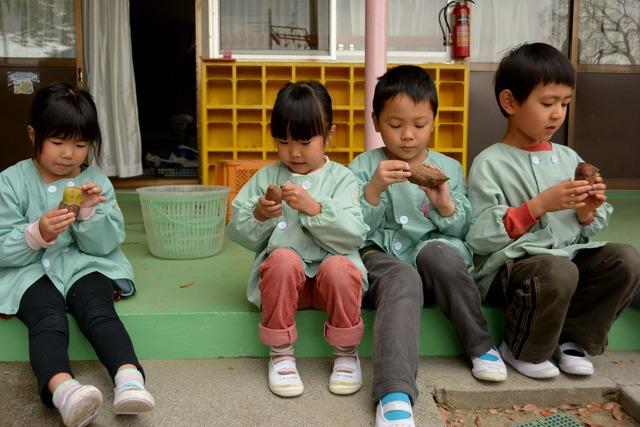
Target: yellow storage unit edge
[(237, 98)]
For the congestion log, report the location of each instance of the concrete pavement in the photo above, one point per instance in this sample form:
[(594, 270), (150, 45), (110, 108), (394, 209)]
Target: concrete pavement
[(233, 392)]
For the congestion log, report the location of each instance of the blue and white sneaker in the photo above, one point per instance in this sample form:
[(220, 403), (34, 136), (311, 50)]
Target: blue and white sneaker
[(394, 410), (489, 366)]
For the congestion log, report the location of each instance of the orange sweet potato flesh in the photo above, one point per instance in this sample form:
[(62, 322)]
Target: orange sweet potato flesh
[(587, 172), (274, 193), (425, 176)]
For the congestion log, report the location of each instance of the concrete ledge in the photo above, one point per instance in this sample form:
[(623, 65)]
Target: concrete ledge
[(630, 400)]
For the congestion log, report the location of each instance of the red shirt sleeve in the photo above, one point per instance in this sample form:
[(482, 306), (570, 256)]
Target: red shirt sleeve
[(518, 220)]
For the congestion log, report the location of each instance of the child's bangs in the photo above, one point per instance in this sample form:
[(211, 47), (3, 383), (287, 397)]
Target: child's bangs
[(299, 119), (77, 123)]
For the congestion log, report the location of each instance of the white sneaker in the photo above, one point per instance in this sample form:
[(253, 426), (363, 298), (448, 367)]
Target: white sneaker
[(132, 401), (80, 406), (541, 370), (346, 377), (572, 359), (284, 379), (489, 366), (381, 421)]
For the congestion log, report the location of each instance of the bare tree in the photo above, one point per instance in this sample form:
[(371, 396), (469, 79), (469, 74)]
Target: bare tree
[(610, 32)]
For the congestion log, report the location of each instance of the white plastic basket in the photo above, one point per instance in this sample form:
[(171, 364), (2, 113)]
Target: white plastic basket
[(184, 221)]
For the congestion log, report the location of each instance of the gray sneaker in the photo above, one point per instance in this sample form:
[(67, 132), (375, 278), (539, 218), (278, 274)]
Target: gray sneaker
[(80, 406)]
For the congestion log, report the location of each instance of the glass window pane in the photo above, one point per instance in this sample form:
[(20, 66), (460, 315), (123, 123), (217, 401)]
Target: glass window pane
[(37, 29), (412, 25), (609, 32), (262, 27), (498, 25)]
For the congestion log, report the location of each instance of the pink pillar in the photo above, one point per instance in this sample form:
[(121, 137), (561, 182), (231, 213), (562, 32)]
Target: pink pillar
[(375, 63)]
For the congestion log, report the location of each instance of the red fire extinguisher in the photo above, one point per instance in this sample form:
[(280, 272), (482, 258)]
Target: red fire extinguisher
[(461, 29)]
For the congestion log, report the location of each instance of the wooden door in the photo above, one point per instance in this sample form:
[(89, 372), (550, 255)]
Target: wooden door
[(21, 77)]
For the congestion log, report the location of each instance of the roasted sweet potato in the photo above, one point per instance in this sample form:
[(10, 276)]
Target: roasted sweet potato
[(274, 193), (425, 176), (587, 172), (71, 199)]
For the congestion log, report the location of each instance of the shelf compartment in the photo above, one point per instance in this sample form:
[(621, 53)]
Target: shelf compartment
[(341, 116), (451, 94), (339, 157), (339, 91), (358, 93), (337, 73), (219, 72), (249, 92), (219, 92), (357, 144), (455, 155), (249, 136), (249, 72), (279, 72), (219, 135), (308, 73), (451, 117), (340, 136), (220, 115), (451, 75), (358, 73), (249, 115), (450, 136), (273, 87)]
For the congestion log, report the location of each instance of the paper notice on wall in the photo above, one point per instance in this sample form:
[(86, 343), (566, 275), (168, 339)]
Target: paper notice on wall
[(22, 82)]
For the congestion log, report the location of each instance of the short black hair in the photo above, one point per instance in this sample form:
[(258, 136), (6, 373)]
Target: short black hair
[(302, 110), (411, 80), (529, 64), (65, 111)]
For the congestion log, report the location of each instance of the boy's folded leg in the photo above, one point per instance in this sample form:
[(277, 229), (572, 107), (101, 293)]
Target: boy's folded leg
[(394, 410), (346, 377), (541, 370), (489, 366), (572, 359), (78, 404), (284, 380)]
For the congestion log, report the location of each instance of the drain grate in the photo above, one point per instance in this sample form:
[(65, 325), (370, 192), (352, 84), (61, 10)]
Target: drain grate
[(556, 420)]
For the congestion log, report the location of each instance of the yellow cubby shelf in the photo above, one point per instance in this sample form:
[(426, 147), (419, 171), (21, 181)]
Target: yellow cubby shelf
[(236, 100)]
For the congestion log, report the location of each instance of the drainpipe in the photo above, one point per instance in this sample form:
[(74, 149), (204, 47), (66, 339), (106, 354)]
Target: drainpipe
[(375, 63)]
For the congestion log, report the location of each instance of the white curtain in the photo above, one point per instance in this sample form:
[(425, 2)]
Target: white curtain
[(43, 29), (110, 79), (499, 25)]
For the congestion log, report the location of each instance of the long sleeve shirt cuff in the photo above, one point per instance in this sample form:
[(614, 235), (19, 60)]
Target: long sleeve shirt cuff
[(86, 213), (518, 220), (34, 239), (592, 217)]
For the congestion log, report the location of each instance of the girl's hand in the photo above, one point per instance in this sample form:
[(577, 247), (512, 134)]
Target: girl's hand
[(596, 198), (55, 222), (439, 196), (299, 199), (266, 209), (564, 195), (91, 195), (388, 172)]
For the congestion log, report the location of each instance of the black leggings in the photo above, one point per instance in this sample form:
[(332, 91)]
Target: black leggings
[(90, 301)]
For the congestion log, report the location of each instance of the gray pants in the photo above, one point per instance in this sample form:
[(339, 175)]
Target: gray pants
[(550, 299), (398, 292)]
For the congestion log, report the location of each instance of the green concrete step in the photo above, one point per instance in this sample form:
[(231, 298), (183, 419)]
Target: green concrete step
[(191, 309)]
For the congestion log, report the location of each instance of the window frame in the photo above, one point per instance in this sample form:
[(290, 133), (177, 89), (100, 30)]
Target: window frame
[(215, 51)]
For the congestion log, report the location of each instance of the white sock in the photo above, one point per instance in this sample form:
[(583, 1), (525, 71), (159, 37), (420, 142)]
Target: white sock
[(62, 391), (129, 377), (281, 352)]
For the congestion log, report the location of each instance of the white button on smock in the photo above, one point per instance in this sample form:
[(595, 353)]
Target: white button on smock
[(554, 159), (71, 184), (306, 185), (65, 249), (397, 246), (282, 225), (404, 219), (46, 263), (535, 160), (52, 189)]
